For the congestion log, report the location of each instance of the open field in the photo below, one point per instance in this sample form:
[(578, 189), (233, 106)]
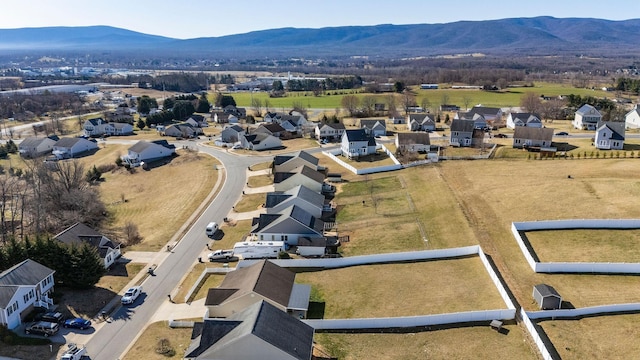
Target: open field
[(586, 245), (478, 342), (145, 346), (597, 337), (390, 289)]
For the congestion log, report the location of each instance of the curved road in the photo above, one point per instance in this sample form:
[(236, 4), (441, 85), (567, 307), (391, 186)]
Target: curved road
[(113, 338)]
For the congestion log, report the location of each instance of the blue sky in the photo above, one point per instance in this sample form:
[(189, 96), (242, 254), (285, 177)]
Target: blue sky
[(207, 18)]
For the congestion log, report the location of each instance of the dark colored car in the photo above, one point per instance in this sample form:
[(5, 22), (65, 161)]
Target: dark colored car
[(562, 133), (54, 317), (43, 328), (501, 135), (77, 323)]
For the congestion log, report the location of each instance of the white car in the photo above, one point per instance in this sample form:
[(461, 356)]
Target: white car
[(131, 295)]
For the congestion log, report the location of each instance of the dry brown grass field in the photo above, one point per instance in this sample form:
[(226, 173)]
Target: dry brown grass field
[(586, 245), (250, 202), (259, 181), (599, 337), (478, 342), (384, 290), (145, 346)]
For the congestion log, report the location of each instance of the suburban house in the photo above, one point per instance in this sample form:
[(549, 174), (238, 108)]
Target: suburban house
[(330, 132), (291, 127), (301, 196), (239, 113), (232, 134), (547, 297), (285, 163), (374, 127), (288, 225), (66, 148), (302, 175), (33, 147), (260, 142), (523, 119), (632, 118), (220, 117), (396, 120), (197, 120), (259, 332), (145, 151), (271, 129), (461, 132), (99, 127), (587, 118), (184, 130), (121, 114), (356, 143), (311, 247), (479, 121), (79, 233), (525, 137), (421, 122), (413, 142), (261, 281), (610, 135), (493, 116), (22, 287), (278, 118)]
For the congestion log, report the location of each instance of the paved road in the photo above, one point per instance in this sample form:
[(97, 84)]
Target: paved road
[(111, 340)]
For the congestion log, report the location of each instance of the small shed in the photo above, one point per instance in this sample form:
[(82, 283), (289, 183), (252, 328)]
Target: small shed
[(547, 297)]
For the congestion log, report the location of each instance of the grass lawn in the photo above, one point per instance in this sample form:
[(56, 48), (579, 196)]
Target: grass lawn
[(157, 217), (478, 342), (599, 337), (260, 181), (586, 245), (261, 166), (145, 346), (250, 202), (390, 289), (364, 162)]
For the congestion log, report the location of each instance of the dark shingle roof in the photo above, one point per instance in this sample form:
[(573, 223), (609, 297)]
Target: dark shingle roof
[(533, 133), (371, 123), (357, 135), (546, 290), (27, 272), (586, 109), (462, 125), (413, 138), (68, 142), (275, 198), (617, 127)]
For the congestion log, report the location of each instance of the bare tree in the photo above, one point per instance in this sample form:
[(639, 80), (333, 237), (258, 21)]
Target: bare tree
[(257, 105), (368, 105), (531, 103), (350, 103), (466, 100), (131, 233), (425, 104), (408, 100), (445, 99), (391, 105)]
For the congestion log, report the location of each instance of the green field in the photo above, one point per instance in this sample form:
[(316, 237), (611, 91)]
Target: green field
[(508, 98)]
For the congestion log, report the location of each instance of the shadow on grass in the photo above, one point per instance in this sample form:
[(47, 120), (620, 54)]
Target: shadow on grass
[(316, 310)]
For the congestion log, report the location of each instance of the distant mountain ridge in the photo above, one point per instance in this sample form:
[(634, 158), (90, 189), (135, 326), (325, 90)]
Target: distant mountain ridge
[(536, 36)]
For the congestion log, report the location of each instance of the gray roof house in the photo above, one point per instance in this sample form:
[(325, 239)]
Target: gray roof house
[(524, 137), (632, 118), (356, 143), (547, 297), (302, 175), (148, 151), (261, 281), (523, 119), (259, 142), (79, 233), (413, 142), (330, 131), (232, 134), (302, 196), (22, 287), (490, 114), (184, 130), (288, 225), (586, 118), (374, 127), (73, 147), (461, 132), (270, 129), (33, 147), (421, 122), (259, 332), (285, 163), (99, 127), (610, 135)]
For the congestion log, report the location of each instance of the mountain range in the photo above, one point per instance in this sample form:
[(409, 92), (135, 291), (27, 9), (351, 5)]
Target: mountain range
[(523, 36)]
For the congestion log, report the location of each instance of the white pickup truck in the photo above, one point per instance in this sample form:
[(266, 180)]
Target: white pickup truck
[(74, 352), (221, 255)]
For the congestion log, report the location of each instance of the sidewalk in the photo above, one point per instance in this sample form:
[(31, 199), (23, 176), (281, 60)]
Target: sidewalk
[(171, 311)]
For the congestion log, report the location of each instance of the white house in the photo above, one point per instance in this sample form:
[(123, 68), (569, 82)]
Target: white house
[(461, 132), (330, 132), (79, 233), (524, 137), (232, 134), (413, 142), (587, 118), (356, 143), (374, 127), (22, 287), (632, 118), (523, 119), (184, 130), (421, 122), (99, 127), (145, 151), (66, 148), (259, 142), (33, 147), (610, 135), (491, 115), (288, 225)]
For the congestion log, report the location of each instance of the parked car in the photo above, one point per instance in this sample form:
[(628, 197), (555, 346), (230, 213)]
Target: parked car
[(77, 323), (54, 317), (131, 295), (43, 328), (562, 133), (501, 135), (221, 255)]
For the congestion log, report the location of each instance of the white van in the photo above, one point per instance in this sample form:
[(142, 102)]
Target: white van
[(211, 229)]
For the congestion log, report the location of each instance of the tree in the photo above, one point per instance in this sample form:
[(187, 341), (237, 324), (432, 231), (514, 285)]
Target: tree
[(391, 105), (93, 175), (277, 86), (299, 107), (141, 124), (84, 266), (398, 87), (131, 234), (224, 100), (203, 105), (168, 103), (408, 100), (445, 99), (145, 104), (368, 105), (350, 103), (466, 101), (256, 104), (183, 109), (425, 104), (531, 103)]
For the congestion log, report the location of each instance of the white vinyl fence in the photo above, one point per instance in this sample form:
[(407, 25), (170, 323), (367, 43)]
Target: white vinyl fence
[(576, 313), (537, 339)]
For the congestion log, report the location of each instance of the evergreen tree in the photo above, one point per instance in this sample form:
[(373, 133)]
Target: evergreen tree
[(203, 105)]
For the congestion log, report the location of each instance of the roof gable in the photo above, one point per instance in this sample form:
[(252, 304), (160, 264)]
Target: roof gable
[(27, 272)]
